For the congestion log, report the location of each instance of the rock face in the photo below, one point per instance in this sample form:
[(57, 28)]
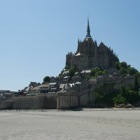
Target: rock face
[(89, 55)]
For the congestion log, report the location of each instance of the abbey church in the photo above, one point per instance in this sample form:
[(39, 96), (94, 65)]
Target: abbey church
[(89, 55)]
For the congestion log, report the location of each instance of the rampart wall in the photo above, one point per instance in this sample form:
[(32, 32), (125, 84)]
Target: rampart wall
[(30, 102)]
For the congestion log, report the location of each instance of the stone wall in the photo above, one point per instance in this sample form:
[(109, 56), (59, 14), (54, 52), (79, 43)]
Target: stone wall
[(67, 101), (30, 102), (7, 104), (84, 100), (125, 82)]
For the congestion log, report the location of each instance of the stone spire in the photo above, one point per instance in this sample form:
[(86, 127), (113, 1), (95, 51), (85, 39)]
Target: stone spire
[(88, 29)]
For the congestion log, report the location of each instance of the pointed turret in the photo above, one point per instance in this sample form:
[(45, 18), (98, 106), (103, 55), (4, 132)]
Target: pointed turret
[(88, 29)]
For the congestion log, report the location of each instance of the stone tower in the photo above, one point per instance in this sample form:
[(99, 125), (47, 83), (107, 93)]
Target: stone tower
[(89, 55)]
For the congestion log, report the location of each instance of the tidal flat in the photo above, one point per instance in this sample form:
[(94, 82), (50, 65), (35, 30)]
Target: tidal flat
[(88, 124)]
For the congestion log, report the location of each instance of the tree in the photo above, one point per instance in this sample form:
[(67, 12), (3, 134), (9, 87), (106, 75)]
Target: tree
[(124, 65), (132, 96), (94, 71), (98, 73), (46, 79), (98, 98), (67, 67), (137, 75), (105, 72), (137, 84), (117, 65), (72, 71), (139, 81), (132, 71), (123, 71), (119, 99)]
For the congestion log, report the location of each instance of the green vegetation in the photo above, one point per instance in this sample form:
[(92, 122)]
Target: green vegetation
[(46, 79), (94, 71), (97, 72), (72, 71), (124, 68), (67, 67), (119, 99), (106, 96)]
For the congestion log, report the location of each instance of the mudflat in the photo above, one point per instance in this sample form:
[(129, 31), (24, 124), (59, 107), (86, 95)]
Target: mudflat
[(88, 124)]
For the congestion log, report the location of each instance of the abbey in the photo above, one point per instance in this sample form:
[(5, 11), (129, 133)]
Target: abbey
[(89, 55)]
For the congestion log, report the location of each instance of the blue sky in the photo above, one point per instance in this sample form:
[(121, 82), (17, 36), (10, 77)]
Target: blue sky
[(36, 35)]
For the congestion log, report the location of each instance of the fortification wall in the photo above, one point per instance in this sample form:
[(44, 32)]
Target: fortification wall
[(7, 104), (30, 102), (66, 101)]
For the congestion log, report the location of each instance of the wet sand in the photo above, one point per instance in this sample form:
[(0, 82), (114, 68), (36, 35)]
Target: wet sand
[(94, 124)]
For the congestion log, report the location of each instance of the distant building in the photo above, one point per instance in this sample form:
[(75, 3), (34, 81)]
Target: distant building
[(89, 55)]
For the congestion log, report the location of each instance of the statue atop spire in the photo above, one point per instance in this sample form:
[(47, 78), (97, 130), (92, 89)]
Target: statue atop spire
[(88, 29)]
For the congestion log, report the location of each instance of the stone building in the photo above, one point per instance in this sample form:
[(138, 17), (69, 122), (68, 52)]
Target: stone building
[(89, 55)]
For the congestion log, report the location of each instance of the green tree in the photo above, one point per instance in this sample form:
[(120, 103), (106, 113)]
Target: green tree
[(132, 96), (94, 71), (98, 73), (132, 71), (123, 71), (98, 98), (119, 99), (124, 65), (117, 65), (46, 79), (137, 75), (105, 72), (67, 67), (72, 71), (139, 81)]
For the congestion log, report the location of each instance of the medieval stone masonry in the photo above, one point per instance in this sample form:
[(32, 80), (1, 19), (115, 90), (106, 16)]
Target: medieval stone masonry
[(89, 55)]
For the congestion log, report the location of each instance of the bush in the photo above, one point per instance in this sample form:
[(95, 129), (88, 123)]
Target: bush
[(94, 71), (119, 99)]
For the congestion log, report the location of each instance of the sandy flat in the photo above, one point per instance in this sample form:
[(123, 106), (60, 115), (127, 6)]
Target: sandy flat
[(94, 124)]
